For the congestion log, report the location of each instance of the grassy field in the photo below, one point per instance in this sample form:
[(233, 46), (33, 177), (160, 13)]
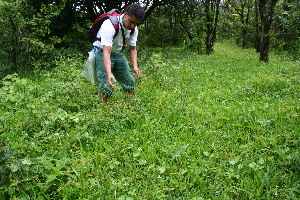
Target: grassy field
[(223, 126)]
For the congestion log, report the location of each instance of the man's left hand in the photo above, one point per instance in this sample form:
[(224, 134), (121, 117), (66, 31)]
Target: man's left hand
[(137, 71)]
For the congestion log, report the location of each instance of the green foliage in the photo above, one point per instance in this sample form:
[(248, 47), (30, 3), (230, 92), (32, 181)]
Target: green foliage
[(27, 41), (161, 30), (7, 40), (285, 27), (197, 44), (33, 108), (238, 22), (222, 126), (287, 21), (174, 25)]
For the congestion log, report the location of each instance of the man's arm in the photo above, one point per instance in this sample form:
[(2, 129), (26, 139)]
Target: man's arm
[(107, 64), (133, 59)]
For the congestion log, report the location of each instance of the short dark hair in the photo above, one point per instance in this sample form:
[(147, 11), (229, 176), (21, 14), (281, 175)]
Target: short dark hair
[(135, 10)]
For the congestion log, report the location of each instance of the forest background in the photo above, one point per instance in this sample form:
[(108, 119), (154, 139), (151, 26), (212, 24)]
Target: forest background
[(34, 33)]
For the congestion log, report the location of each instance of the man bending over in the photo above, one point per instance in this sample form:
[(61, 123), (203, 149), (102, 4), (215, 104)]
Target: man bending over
[(111, 64)]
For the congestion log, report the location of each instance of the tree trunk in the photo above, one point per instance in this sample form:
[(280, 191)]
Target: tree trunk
[(209, 24), (214, 33), (212, 17), (208, 40), (257, 29), (264, 45), (186, 30), (245, 26), (266, 9), (243, 38), (264, 48)]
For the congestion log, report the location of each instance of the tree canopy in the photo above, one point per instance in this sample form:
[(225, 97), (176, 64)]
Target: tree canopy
[(36, 30)]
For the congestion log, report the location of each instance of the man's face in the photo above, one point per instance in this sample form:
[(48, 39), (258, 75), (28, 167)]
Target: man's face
[(130, 21)]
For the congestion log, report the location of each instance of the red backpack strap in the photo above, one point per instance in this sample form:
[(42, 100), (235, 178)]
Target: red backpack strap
[(115, 22), (113, 16), (117, 29)]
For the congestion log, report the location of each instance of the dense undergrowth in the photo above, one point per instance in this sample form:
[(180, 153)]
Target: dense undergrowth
[(222, 126)]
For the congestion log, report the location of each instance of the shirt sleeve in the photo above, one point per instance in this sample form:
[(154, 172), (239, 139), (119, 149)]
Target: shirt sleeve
[(133, 38), (106, 33)]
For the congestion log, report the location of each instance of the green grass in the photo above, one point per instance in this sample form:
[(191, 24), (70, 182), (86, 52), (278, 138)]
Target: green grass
[(223, 126)]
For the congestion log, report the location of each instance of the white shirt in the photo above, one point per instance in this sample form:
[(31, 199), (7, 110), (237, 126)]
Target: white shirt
[(107, 32)]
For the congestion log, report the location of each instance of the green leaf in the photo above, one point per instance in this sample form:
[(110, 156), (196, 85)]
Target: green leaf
[(261, 161), (206, 153), (26, 162), (50, 178), (15, 167), (161, 169), (142, 162), (137, 154), (233, 161), (252, 165)]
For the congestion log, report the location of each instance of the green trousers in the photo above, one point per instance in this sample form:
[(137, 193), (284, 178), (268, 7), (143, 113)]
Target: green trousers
[(120, 70)]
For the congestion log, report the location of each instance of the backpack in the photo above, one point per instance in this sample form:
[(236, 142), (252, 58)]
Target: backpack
[(112, 15)]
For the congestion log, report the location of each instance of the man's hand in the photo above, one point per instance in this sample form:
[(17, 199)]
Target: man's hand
[(133, 58), (137, 71), (107, 64), (111, 80)]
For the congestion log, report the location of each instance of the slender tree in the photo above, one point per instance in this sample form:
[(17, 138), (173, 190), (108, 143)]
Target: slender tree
[(266, 10), (212, 17)]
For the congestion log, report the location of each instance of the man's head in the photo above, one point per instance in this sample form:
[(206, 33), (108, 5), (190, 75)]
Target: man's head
[(133, 16)]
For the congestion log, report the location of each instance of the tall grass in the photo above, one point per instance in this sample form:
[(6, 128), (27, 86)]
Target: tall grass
[(223, 126)]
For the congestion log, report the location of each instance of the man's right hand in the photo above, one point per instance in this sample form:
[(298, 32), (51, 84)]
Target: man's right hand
[(111, 80), (107, 64)]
